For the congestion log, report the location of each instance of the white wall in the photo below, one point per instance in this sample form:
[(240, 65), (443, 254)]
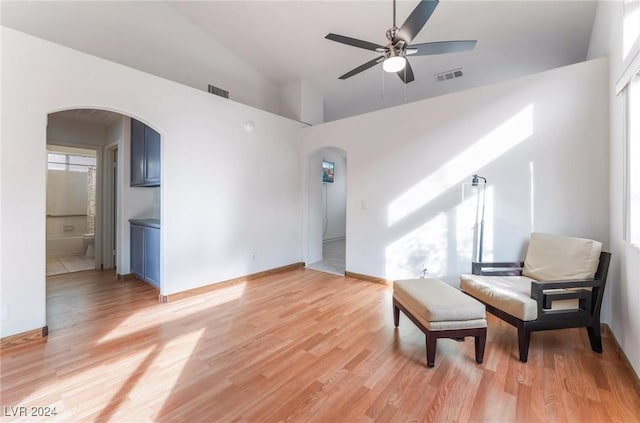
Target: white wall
[(622, 294), (67, 193), (407, 166), (312, 105), (181, 40), (291, 101), (216, 177), (299, 101)]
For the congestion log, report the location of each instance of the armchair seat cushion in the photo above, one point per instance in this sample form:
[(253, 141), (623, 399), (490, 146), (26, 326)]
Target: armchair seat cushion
[(511, 294)]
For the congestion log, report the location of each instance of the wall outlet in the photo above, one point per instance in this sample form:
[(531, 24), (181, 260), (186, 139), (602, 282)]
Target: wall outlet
[(4, 312), (252, 257)]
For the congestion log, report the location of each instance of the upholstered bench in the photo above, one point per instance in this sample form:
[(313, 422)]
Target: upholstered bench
[(440, 311)]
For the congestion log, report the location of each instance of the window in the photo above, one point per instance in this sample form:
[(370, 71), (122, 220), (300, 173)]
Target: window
[(71, 162), (633, 161)]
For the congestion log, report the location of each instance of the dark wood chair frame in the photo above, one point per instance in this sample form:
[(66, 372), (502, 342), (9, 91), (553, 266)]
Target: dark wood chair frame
[(431, 337), (587, 315)]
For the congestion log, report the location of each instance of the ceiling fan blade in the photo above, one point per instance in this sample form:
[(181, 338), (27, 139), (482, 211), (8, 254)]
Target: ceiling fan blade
[(440, 47), (406, 74), (353, 42), (361, 68), (416, 20)]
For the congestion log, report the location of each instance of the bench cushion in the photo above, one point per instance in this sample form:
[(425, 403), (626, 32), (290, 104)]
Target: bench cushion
[(439, 306), (556, 258), (511, 294)]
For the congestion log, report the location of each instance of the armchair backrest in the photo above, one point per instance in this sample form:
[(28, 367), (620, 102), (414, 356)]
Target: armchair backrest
[(555, 257)]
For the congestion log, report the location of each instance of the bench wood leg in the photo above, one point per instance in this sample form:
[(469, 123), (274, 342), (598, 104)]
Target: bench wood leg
[(480, 341), (431, 341)]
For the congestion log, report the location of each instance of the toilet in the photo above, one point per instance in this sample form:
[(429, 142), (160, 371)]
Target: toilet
[(88, 241)]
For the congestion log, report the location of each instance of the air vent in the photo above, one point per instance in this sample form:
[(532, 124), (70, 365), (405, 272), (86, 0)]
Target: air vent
[(218, 91), (448, 75)]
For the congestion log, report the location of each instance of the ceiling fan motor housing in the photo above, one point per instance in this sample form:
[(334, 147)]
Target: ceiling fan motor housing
[(392, 32)]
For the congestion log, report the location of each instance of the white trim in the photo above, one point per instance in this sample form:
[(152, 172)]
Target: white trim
[(629, 237), (109, 195), (630, 71), (625, 167)]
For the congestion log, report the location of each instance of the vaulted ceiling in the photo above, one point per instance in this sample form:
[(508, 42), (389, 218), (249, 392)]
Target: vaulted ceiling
[(280, 42)]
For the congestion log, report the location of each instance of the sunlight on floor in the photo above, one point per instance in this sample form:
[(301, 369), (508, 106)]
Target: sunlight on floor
[(168, 366), (156, 316), (87, 388), (491, 146)]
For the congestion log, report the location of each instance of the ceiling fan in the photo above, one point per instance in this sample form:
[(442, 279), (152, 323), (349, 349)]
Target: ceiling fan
[(394, 54)]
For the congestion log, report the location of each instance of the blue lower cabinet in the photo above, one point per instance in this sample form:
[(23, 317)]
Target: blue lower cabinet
[(145, 250), (137, 250), (152, 256)]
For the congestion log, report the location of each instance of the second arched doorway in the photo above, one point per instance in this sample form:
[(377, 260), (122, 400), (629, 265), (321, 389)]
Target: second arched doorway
[(327, 210)]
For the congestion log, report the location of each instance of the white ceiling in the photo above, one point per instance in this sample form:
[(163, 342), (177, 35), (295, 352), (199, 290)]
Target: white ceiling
[(283, 41), (102, 118)]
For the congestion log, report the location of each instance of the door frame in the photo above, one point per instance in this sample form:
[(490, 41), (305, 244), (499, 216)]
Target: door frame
[(110, 221), (99, 178)]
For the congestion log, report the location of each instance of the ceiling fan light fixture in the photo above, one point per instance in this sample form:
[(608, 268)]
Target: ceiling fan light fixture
[(394, 64)]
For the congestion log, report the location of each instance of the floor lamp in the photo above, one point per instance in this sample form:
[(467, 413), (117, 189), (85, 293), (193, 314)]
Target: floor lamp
[(478, 235)]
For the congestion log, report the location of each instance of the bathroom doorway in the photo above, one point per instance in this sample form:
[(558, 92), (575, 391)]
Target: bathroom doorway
[(77, 141), (71, 209)]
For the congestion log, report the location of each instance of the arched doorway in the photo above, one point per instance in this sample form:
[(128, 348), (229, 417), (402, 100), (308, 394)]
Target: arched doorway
[(326, 210), (93, 227)]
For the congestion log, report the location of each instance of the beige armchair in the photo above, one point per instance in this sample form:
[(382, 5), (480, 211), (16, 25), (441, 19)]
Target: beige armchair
[(559, 285)]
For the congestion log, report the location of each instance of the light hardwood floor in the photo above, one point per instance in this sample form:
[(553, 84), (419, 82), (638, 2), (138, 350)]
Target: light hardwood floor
[(298, 346)]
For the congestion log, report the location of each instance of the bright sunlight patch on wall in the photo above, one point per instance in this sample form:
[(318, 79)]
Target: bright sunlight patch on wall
[(630, 26), (444, 245), (486, 149)]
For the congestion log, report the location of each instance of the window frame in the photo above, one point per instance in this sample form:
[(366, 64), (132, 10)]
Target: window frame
[(631, 145)]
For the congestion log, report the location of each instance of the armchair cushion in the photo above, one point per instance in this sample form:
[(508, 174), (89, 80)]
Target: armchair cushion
[(557, 258), (511, 294)]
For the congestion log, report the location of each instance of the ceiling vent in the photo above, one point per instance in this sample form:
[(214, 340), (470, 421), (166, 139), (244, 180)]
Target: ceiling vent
[(218, 91), (448, 75)]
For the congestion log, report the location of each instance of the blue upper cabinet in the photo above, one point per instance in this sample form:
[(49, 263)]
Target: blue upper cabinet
[(145, 155)]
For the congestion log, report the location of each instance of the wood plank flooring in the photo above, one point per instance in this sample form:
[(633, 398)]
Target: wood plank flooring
[(301, 346)]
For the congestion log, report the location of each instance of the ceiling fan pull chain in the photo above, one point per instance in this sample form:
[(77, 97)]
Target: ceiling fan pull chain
[(383, 85)]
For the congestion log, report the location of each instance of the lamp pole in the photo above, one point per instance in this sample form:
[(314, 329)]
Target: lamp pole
[(474, 182)]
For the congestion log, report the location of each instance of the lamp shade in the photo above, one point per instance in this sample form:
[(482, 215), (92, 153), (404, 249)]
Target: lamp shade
[(394, 64)]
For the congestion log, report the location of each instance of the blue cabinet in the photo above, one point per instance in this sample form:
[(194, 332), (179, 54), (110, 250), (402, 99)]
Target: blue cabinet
[(137, 250), (152, 256), (145, 155), (145, 250)]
